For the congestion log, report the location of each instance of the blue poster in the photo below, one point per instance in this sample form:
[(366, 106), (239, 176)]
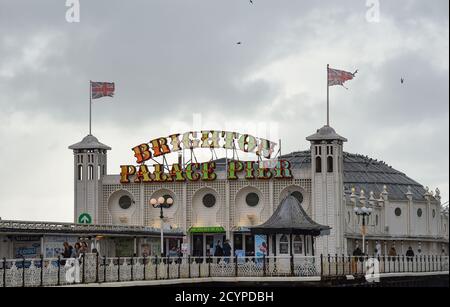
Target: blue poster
[(260, 246)]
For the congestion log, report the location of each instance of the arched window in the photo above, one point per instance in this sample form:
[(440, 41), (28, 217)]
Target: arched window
[(298, 245), (80, 172), (284, 245), (318, 164), (90, 172), (330, 164)]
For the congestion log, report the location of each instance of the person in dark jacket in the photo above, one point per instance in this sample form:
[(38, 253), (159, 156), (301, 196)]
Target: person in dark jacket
[(67, 252), (227, 250), (218, 252), (356, 253), (409, 254)]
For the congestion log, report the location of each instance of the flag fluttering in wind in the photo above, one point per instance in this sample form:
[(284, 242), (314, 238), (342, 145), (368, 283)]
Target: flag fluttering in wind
[(102, 89), (339, 77), (336, 77), (99, 90)]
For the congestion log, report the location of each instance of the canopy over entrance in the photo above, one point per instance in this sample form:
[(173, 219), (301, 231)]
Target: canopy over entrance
[(290, 218)]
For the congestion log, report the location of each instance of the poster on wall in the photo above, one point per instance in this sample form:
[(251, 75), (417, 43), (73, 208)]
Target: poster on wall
[(260, 246), (27, 246), (145, 250), (150, 247), (54, 245)]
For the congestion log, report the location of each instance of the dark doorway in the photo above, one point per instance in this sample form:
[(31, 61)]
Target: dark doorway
[(249, 245), (198, 245)]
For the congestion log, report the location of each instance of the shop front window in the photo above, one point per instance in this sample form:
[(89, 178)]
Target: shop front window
[(298, 245), (237, 242), (284, 245), (198, 245), (249, 245)]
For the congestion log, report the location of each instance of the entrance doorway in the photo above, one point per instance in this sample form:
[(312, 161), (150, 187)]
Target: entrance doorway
[(204, 244), (197, 246), (244, 244)]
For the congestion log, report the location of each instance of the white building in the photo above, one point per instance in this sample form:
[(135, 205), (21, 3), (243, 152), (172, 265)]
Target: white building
[(327, 181)]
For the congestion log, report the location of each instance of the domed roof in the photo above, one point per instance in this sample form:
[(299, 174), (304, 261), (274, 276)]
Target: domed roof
[(362, 172), (89, 142), (326, 133)]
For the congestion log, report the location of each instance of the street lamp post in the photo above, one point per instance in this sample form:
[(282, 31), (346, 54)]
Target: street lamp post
[(161, 203), (363, 212)]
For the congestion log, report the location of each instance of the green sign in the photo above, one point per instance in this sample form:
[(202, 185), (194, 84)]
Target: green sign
[(84, 218), (213, 229)]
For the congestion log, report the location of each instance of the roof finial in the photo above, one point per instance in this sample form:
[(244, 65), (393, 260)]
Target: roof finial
[(438, 194)]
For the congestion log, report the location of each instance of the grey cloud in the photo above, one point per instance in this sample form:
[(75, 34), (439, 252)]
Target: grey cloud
[(171, 58)]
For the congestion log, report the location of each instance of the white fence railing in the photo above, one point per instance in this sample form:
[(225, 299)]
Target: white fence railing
[(91, 268)]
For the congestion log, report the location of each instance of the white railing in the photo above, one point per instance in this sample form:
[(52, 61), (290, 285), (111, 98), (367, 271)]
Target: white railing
[(92, 268)]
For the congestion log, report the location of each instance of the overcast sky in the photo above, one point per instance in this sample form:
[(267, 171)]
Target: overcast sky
[(173, 59)]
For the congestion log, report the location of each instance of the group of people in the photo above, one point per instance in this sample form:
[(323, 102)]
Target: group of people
[(392, 254), (75, 252), (223, 250)]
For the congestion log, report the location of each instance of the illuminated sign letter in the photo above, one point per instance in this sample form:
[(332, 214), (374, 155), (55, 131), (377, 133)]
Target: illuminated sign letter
[(159, 173), (234, 167), (190, 143), (142, 153), (160, 147), (249, 168), (283, 169), (247, 143), (210, 142), (125, 172), (229, 138), (265, 148), (175, 142), (264, 173), (143, 175), (177, 172), (208, 171), (191, 174)]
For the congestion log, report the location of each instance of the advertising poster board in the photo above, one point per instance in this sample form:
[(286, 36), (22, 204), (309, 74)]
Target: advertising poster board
[(260, 246)]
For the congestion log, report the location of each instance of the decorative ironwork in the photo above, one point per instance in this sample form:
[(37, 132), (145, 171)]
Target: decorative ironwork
[(37, 272)]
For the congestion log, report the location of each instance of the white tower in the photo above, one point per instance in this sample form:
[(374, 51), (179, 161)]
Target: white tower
[(90, 158), (328, 188)]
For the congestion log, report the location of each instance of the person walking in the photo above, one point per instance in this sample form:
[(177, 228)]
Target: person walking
[(227, 250), (356, 254), (67, 252), (377, 249), (218, 251), (76, 251), (409, 254), (392, 254)]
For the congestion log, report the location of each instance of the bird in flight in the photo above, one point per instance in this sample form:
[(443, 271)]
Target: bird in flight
[(251, 1), (402, 80), (238, 43)]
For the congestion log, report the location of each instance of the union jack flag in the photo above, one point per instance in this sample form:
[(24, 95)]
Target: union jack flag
[(101, 89), (338, 77)]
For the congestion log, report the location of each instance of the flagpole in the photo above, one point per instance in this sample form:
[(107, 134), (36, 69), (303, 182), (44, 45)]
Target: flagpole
[(90, 107), (328, 97)]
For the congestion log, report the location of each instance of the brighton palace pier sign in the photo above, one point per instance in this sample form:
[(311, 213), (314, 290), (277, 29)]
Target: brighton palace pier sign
[(211, 139)]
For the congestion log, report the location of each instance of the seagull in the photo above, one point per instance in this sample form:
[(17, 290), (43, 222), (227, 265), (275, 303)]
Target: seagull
[(238, 43), (402, 80)]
